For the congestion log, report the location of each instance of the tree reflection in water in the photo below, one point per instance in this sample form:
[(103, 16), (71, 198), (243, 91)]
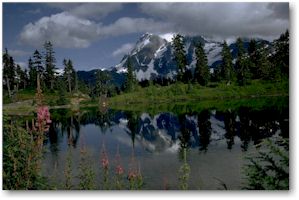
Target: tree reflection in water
[(162, 129), (184, 138), (230, 127), (245, 127), (204, 127), (165, 132)]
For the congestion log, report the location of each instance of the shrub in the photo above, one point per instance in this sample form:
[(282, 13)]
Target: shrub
[(269, 170)]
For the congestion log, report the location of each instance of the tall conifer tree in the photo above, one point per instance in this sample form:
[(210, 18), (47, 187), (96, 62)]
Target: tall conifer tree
[(242, 64), (50, 67), (202, 72), (227, 70), (180, 56)]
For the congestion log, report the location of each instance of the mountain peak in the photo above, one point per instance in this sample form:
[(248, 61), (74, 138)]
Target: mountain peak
[(152, 57), (167, 36)]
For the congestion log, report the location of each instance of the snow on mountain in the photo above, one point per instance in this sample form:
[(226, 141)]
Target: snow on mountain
[(143, 55), (152, 56), (143, 41), (213, 51), (167, 36), (120, 68), (146, 75), (160, 51)]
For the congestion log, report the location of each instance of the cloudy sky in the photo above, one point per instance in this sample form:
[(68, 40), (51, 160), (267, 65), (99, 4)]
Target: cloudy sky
[(97, 35)]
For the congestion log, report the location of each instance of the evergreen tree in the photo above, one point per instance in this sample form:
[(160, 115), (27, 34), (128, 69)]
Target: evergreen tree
[(37, 64), (227, 70), (24, 78), (202, 72), (49, 64), (130, 79), (253, 59), (280, 58), (69, 73), (242, 64), (32, 73), (18, 75), (180, 56), (8, 71), (102, 83), (265, 69)]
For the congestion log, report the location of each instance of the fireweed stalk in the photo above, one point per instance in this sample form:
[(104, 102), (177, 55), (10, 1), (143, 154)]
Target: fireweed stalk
[(184, 172), (23, 150), (134, 176), (86, 174), (105, 167), (119, 171), (38, 130), (68, 170)]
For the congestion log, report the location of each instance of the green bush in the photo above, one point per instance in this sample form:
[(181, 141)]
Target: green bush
[(269, 170), (21, 170)]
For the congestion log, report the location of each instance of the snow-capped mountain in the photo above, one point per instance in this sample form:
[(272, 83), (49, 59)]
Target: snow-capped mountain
[(153, 57)]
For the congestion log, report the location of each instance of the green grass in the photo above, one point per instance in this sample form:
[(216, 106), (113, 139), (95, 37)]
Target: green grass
[(180, 92), (177, 96), (197, 106), (23, 102)]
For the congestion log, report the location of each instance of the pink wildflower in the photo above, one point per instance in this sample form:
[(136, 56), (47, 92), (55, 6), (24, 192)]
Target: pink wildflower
[(43, 115), (105, 163), (104, 159), (132, 175), (119, 170)]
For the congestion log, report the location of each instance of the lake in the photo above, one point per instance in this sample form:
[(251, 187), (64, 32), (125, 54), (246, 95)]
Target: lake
[(212, 142)]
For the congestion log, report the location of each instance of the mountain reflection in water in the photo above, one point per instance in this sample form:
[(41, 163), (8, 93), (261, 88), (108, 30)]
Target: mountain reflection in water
[(215, 140)]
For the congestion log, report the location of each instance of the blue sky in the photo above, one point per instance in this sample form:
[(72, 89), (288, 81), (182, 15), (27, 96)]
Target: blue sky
[(97, 35)]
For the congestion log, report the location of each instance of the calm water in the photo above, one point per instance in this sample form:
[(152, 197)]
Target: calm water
[(215, 141)]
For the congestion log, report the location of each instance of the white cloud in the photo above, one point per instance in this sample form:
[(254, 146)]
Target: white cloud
[(128, 25), (63, 29), (124, 49), (222, 19), (69, 31), (76, 26)]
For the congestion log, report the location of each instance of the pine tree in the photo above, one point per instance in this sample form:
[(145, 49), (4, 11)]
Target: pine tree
[(102, 83), (49, 64), (37, 64), (69, 73), (8, 71), (227, 70), (180, 56), (18, 75), (130, 79), (24, 78), (202, 72), (242, 64), (32, 73), (253, 58), (280, 58), (265, 70)]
